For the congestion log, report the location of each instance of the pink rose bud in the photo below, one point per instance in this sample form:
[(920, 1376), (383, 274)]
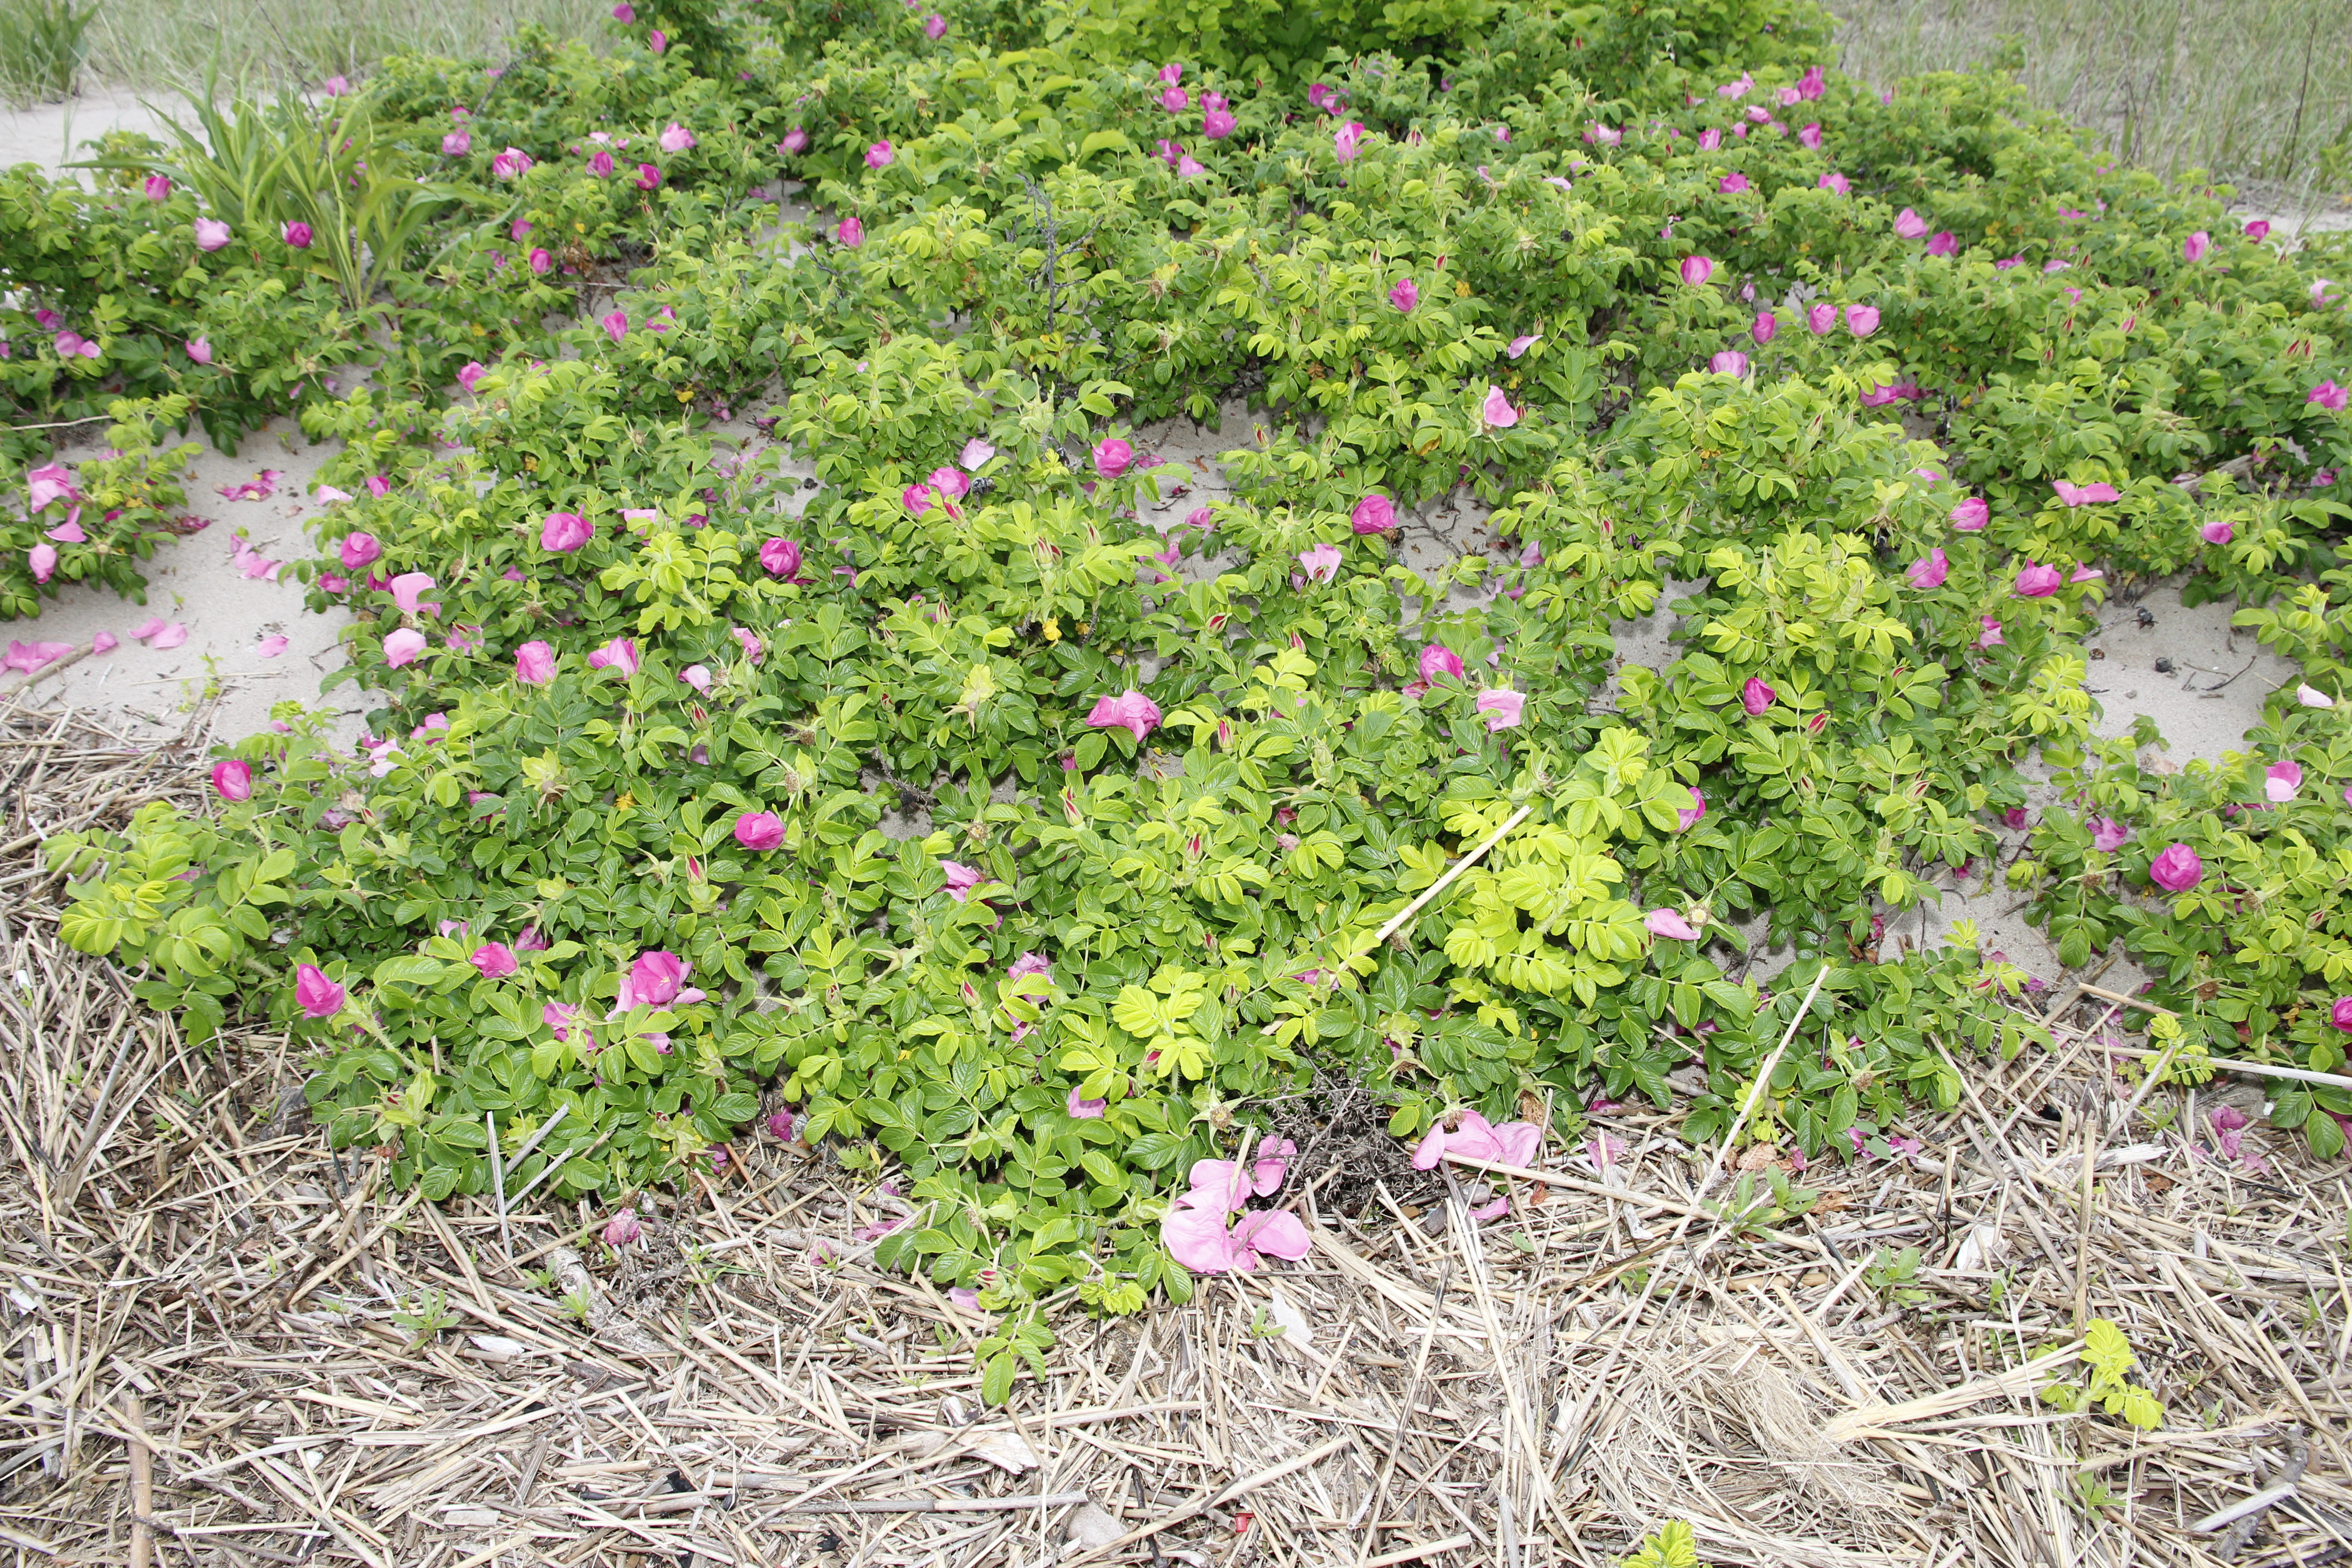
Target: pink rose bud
[(317, 996), (2177, 869), (565, 532), (760, 831)]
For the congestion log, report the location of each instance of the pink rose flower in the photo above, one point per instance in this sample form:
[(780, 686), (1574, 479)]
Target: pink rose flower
[(1437, 659), (317, 996), (2037, 582), (2177, 869), (760, 831), (1502, 708), (1929, 573), (1669, 923), (1130, 710), (565, 532)]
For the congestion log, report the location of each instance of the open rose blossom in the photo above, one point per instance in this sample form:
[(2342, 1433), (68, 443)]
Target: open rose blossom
[(1373, 514), (1084, 1110), (1909, 224), (2177, 869), (1502, 708), (1199, 1232), (2340, 1014), (2085, 495), (1130, 710), (2282, 782), (317, 996), (1512, 1144), (2108, 835), (620, 654), (1929, 573), (961, 879), (1497, 411), (1971, 515), (656, 978), (496, 960), (1437, 659), (403, 646), (1728, 362), (534, 664)]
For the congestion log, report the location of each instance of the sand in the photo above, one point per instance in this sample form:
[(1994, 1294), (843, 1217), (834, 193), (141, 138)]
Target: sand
[(196, 583), (50, 136)]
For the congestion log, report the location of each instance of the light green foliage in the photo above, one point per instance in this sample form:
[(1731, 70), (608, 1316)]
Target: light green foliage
[(1673, 1545), (2107, 1357)]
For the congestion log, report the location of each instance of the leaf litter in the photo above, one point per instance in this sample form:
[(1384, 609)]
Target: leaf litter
[(226, 1344)]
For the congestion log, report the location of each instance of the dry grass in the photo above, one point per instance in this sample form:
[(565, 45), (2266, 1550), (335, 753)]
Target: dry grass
[(2251, 90), (209, 1332), (174, 43)]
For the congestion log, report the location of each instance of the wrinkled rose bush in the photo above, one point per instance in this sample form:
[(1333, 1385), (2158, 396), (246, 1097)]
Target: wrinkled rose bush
[(1906, 384)]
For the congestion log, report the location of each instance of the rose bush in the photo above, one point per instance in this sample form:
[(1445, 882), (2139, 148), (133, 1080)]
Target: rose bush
[(1906, 386)]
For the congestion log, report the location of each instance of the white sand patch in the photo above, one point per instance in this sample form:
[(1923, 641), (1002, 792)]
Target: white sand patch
[(51, 135), (195, 582)]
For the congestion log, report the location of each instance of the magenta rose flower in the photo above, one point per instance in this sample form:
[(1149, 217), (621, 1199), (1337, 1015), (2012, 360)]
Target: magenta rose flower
[(233, 779), (565, 532), (2177, 869), (317, 996), (1437, 659), (760, 831)]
